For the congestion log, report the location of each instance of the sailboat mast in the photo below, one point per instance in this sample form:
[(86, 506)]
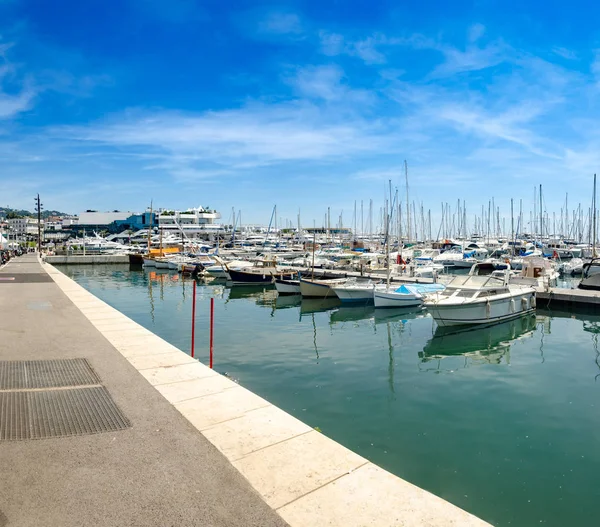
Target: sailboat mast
[(387, 244), (407, 201), (594, 220), (541, 220), (150, 225)]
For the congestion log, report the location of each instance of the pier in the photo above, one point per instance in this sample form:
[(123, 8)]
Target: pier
[(184, 445), (569, 298), (87, 259)]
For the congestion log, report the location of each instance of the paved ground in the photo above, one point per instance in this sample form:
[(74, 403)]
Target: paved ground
[(161, 472)]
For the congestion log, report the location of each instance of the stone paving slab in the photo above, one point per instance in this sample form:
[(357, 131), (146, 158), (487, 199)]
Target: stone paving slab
[(254, 431)]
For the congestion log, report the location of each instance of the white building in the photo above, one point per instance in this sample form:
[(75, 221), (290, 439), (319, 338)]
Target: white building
[(191, 221), (24, 226)]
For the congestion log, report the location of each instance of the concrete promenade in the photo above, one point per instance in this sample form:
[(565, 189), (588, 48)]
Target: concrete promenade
[(201, 450), (160, 472)]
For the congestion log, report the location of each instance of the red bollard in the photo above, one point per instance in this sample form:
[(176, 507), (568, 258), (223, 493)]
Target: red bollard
[(193, 316), (212, 327)]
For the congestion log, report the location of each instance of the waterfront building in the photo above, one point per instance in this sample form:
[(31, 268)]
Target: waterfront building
[(24, 226), (192, 222), (137, 222)]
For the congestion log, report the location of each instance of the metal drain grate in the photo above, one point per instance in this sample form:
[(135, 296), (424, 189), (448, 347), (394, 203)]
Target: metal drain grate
[(14, 416), (58, 413), (20, 375)]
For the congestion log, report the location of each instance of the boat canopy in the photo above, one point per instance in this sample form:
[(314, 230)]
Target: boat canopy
[(408, 289)]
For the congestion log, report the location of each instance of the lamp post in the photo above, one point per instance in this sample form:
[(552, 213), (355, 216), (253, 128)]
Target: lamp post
[(38, 205)]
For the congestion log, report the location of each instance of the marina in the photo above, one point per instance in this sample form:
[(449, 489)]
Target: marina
[(514, 401)]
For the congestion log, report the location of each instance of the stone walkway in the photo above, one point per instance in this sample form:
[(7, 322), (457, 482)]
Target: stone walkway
[(159, 472)]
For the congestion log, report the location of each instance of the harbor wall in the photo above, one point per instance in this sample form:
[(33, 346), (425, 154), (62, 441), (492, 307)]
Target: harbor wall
[(306, 477), (88, 259)]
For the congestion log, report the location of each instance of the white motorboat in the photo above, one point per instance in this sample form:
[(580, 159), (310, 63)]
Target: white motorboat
[(287, 287), (450, 257), (571, 267), (536, 272), (354, 291), (161, 262), (407, 295), (474, 299), (427, 271)]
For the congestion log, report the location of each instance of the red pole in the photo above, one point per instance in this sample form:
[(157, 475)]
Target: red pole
[(193, 316), (212, 326)]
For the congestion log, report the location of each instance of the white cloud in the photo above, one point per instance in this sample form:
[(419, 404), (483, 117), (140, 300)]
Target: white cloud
[(476, 31), (368, 52), (18, 99), (473, 58), (253, 136), (564, 53), (332, 44), (12, 105), (280, 23), (328, 83)]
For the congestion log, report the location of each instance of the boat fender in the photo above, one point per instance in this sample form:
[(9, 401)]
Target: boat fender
[(264, 277), (512, 305), (524, 304), (488, 308), (533, 301)]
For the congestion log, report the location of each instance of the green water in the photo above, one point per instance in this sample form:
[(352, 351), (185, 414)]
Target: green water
[(501, 421)]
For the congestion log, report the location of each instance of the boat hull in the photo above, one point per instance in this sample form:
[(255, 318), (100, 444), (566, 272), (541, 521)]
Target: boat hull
[(263, 277), (287, 287), (149, 262), (161, 265), (309, 289), (483, 312), (349, 295), (220, 273)]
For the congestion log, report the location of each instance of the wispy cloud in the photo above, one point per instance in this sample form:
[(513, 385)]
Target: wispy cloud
[(256, 135), (280, 23), (328, 83), (564, 53), (21, 94)]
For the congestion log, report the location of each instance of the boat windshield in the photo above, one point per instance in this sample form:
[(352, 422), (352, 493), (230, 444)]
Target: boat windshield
[(476, 282)]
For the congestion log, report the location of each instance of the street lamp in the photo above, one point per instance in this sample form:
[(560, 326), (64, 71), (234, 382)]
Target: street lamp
[(38, 205)]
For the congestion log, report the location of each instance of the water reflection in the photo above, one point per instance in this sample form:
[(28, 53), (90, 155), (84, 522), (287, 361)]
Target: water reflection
[(317, 305), (478, 345)]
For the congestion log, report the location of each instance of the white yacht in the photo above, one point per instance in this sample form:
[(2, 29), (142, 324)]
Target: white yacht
[(536, 272), (474, 299)]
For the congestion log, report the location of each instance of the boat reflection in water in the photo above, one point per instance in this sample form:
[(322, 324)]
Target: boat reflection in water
[(378, 316), (287, 301), (318, 305), (252, 292), (478, 345)]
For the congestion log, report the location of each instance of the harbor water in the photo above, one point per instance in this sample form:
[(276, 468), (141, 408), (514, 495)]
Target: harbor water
[(502, 421)]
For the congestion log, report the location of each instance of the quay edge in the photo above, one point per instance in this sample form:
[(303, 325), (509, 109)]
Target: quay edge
[(304, 476)]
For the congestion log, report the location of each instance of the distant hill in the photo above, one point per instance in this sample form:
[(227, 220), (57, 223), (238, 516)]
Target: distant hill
[(5, 211)]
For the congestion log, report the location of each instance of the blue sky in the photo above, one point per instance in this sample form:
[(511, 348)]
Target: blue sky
[(306, 104)]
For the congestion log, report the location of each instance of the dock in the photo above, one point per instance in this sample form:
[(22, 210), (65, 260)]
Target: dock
[(87, 259), (110, 425), (569, 298)]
